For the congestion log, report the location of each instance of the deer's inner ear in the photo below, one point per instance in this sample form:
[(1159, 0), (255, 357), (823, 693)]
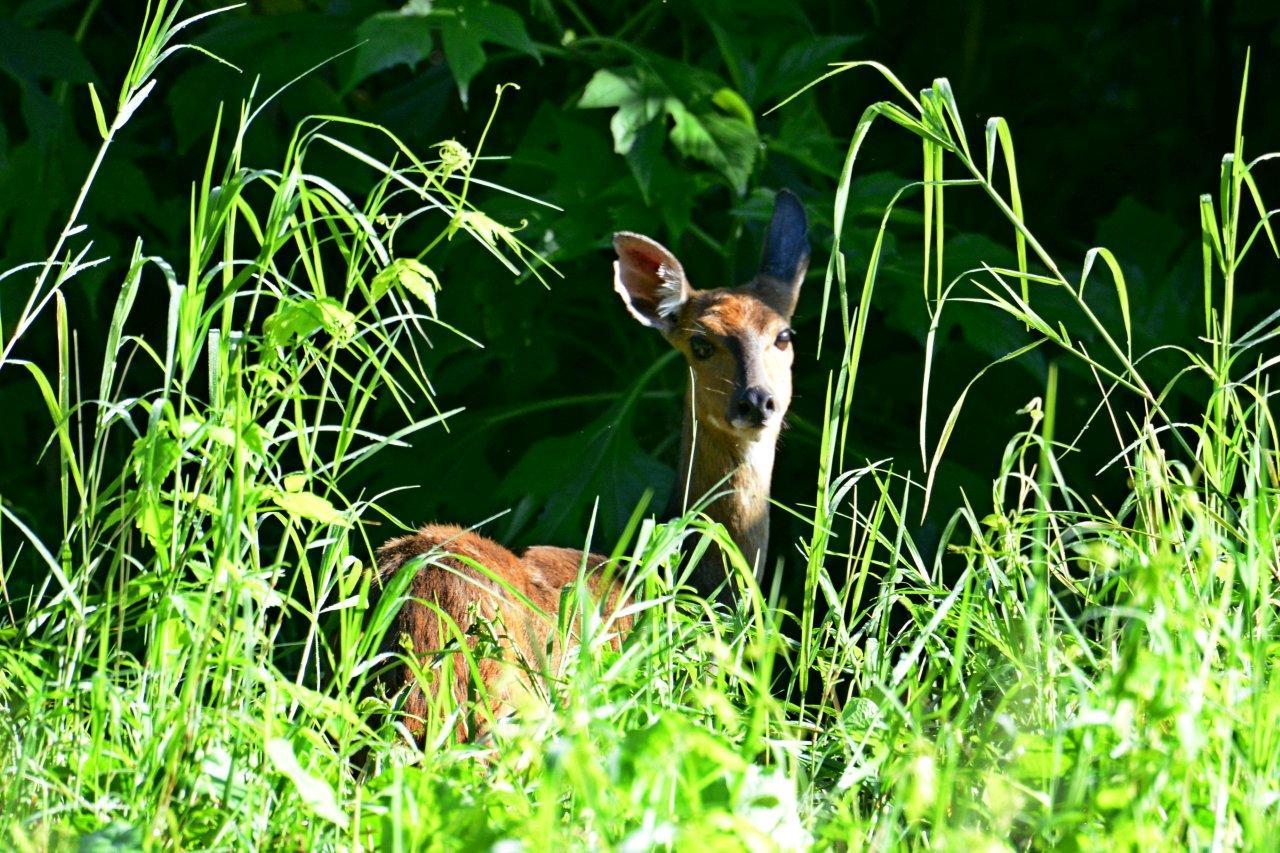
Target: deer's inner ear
[(649, 279)]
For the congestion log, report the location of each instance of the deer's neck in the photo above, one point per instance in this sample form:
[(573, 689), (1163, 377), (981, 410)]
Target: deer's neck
[(739, 471)]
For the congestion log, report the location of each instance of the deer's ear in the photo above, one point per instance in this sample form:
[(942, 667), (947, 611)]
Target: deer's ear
[(649, 279), (786, 255)]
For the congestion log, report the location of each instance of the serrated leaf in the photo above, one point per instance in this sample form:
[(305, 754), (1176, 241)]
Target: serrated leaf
[(412, 275), (726, 144), (566, 475), (483, 227), (645, 155), (290, 320), (154, 456), (301, 319), (418, 279), (337, 321), (155, 520)]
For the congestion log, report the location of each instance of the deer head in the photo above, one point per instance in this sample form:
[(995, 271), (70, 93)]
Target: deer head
[(737, 340)]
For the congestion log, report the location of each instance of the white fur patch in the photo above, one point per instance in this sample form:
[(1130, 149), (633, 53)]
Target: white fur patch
[(671, 291), (759, 457)]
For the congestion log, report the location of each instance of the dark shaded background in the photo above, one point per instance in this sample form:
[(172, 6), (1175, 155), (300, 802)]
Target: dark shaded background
[(1120, 113)]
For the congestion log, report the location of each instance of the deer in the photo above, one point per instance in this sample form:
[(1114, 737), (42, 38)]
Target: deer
[(737, 343)]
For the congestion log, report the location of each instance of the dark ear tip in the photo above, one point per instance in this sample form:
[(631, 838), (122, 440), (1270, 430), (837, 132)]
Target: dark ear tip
[(786, 242), (789, 201)]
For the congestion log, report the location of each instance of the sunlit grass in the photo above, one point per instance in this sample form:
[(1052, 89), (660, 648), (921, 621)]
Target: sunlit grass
[(195, 670)]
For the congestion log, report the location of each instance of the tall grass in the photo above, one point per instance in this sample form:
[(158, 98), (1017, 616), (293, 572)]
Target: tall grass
[(193, 669)]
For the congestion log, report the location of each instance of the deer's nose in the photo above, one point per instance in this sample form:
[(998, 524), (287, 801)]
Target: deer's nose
[(754, 405)]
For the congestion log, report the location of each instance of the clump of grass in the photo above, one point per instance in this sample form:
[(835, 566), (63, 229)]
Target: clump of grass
[(198, 645), (1079, 674), (193, 670)]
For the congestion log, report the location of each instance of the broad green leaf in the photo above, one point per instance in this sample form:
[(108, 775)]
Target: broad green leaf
[(630, 119), (33, 55), (464, 53), (716, 127), (290, 320), (154, 520), (501, 25), (466, 27), (607, 89), (637, 105), (390, 39), (727, 144), (310, 506), (191, 425), (155, 455), (563, 475)]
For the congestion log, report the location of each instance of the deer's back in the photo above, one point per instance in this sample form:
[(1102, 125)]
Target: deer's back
[(465, 594)]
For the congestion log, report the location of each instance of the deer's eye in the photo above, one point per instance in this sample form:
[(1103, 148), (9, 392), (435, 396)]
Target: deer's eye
[(784, 339), (701, 348)]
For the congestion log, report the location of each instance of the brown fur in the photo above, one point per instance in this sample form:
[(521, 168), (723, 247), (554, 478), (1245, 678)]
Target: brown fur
[(743, 328), (465, 594)]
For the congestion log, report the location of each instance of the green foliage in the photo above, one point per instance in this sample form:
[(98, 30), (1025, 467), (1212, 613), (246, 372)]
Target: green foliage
[(1042, 659), (405, 37), (698, 177), (388, 39), (710, 122)]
